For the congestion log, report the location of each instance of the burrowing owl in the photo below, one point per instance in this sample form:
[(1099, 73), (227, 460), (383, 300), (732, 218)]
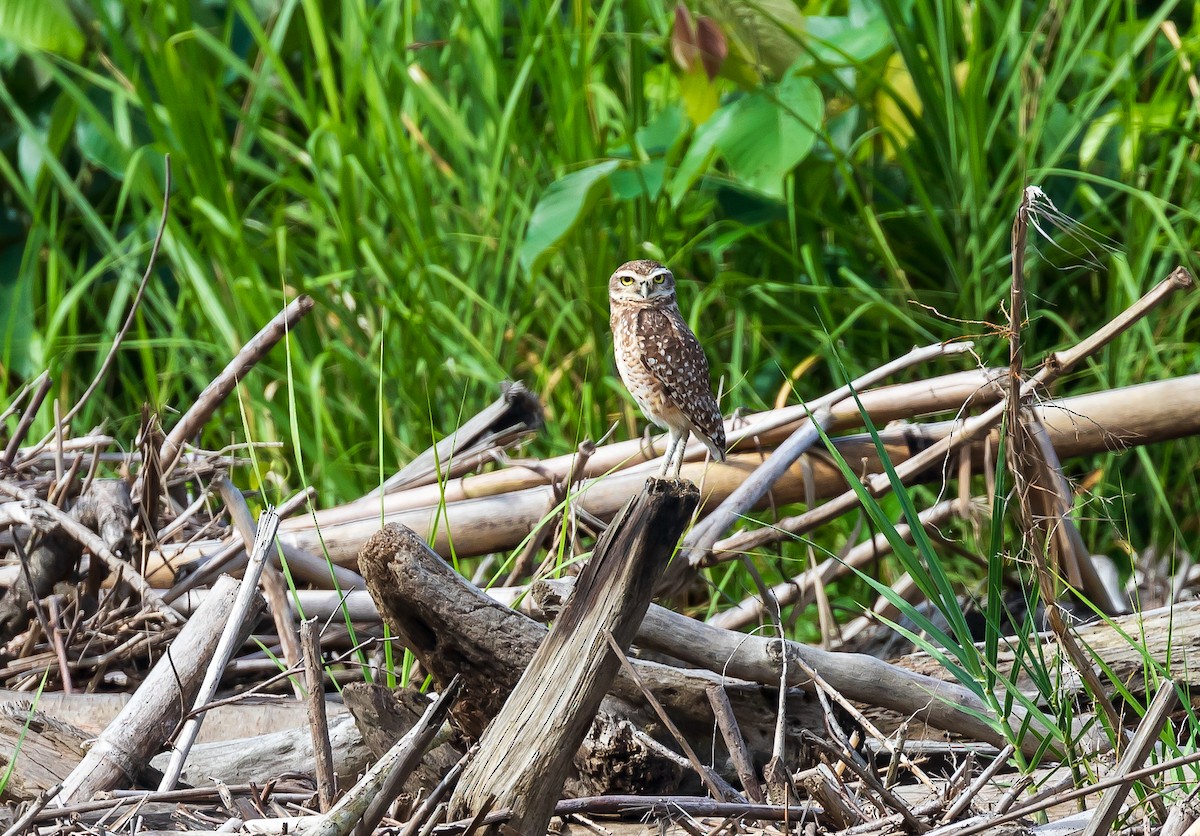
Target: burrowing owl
[(661, 361)]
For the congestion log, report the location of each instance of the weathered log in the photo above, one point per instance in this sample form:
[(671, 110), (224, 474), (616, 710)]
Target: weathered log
[(1168, 636), (41, 749), (453, 628), (146, 722), (526, 751), (264, 756)]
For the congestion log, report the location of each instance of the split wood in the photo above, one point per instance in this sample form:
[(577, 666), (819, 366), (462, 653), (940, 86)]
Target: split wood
[(527, 749)]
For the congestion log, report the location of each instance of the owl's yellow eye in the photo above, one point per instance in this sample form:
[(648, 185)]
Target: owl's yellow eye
[(660, 278), (627, 280)]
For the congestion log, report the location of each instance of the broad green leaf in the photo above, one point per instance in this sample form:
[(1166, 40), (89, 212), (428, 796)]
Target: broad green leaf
[(840, 41), (644, 180), (41, 25), (560, 209), (771, 132), (700, 152), (100, 146), (661, 132)]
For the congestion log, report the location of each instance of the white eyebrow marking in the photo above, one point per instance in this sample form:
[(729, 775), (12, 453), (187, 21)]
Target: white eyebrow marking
[(627, 274), (660, 271)]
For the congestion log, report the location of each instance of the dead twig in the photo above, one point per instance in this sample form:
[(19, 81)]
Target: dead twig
[(216, 392), (310, 643), (1157, 715), (426, 812), (739, 753), (42, 386), (719, 789)]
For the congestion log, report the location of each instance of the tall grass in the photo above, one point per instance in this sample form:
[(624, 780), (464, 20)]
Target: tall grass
[(390, 159)]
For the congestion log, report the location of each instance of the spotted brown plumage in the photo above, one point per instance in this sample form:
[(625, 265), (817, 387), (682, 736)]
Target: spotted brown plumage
[(661, 362)]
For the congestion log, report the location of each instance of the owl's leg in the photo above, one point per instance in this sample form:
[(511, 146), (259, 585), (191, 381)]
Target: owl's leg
[(681, 451), (671, 444)]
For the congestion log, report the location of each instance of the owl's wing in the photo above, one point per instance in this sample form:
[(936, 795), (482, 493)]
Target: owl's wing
[(673, 356)]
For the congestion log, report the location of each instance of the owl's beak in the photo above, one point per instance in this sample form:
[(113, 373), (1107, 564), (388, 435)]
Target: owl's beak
[(644, 287)]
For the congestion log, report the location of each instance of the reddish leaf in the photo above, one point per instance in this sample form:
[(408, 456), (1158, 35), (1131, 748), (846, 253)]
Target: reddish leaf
[(712, 45), (683, 38)]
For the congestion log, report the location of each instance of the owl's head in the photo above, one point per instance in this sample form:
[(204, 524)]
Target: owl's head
[(642, 281)]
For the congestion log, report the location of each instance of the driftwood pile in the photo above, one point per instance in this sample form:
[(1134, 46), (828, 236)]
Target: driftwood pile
[(623, 716)]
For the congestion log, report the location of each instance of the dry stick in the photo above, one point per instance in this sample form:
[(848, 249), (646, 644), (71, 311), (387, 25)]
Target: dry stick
[(658, 806), (734, 742), (215, 393), (352, 810), (1056, 364), (310, 643), (1157, 715), (14, 402), (43, 384), (92, 542), (700, 540), (968, 795), (264, 543), (796, 590), (224, 558), (720, 791), (273, 586), (428, 807), (1039, 538), (1090, 582), (1053, 800), (60, 650)]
